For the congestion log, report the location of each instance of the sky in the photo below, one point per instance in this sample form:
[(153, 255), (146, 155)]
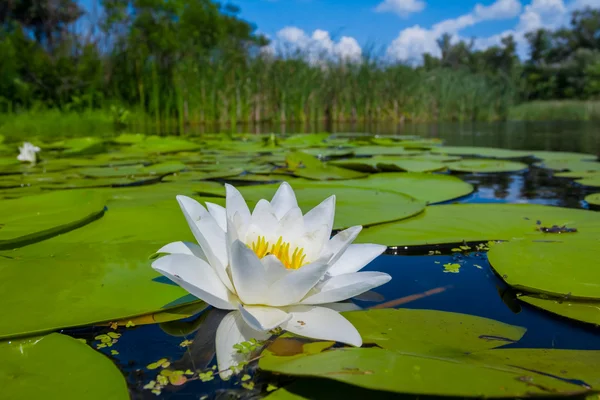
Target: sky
[(401, 29)]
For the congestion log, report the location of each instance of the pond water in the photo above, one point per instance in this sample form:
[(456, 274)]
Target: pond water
[(440, 268)]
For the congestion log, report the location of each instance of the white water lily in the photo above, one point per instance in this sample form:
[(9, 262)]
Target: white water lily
[(28, 153), (275, 267)]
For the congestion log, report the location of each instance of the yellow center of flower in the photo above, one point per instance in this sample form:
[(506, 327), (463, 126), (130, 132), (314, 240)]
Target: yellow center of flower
[(281, 250)]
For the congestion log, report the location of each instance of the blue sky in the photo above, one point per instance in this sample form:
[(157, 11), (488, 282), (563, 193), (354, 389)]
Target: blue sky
[(404, 29), (400, 29)]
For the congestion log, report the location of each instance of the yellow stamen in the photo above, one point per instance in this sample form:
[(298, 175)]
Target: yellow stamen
[(281, 250)]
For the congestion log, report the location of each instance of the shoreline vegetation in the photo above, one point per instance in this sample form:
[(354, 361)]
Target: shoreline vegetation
[(176, 64)]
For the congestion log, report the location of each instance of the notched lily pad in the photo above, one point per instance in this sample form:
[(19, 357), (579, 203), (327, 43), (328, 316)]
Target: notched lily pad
[(31, 219), (486, 166)]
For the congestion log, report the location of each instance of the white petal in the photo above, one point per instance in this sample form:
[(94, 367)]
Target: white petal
[(248, 274), (291, 225), (294, 286), (283, 200), (340, 242), (355, 258), (263, 318), (264, 217), (314, 242), (235, 203), (322, 214), (274, 269), (219, 214), (198, 278), (233, 330), (346, 286), (321, 323), (183, 248), (208, 234)]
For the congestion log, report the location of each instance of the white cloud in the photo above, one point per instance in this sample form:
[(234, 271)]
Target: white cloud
[(401, 7), (501, 9), (317, 45)]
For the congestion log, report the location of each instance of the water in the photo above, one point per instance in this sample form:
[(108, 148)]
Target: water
[(574, 136), (475, 290)]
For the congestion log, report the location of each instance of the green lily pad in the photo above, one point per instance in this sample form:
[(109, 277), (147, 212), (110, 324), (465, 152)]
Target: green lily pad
[(593, 199), (384, 164), (543, 267), (429, 188), (200, 175), (563, 156), (591, 181), (86, 183), (407, 373), (330, 153), (306, 140), (459, 356), (30, 219), (384, 151), (486, 166), (160, 145), (489, 152), (60, 367), (578, 174), (130, 138), (448, 334), (156, 169), (306, 166), (572, 166), (374, 208), (455, 223), (584, 311), (80, 146), (99, 273)]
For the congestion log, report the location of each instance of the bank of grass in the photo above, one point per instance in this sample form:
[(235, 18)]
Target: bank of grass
[(556, 110)]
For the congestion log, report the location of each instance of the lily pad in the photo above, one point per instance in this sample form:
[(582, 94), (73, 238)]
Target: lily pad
[(156, 169), (60, 367), (543, 267), (381, 150), (455, 223), (591, 181), (563, 156), (486, 166), (390, 164), (200, 175), (306, 166), (584, 311), (593, 199), (489, 152), (99, 273), (306, 140), (430, 188), (80, 146), (459, 356), (448, 334), (33, 218), (161, 145), (573, 166), (408, 373), (375, 207), (87, 183)]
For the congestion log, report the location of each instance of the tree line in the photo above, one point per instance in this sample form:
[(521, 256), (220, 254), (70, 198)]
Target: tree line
[(197, 61)]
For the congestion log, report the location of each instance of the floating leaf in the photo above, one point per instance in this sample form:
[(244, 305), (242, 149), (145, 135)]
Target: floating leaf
[(458, 223), (430, 188), (34, 218), (489, 152), (486, 166), (543, 267), (375, 207), (584, 311), (29, 368)]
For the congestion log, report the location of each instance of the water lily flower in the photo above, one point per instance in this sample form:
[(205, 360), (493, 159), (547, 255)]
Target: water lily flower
[(28, 153), (274, 266)]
